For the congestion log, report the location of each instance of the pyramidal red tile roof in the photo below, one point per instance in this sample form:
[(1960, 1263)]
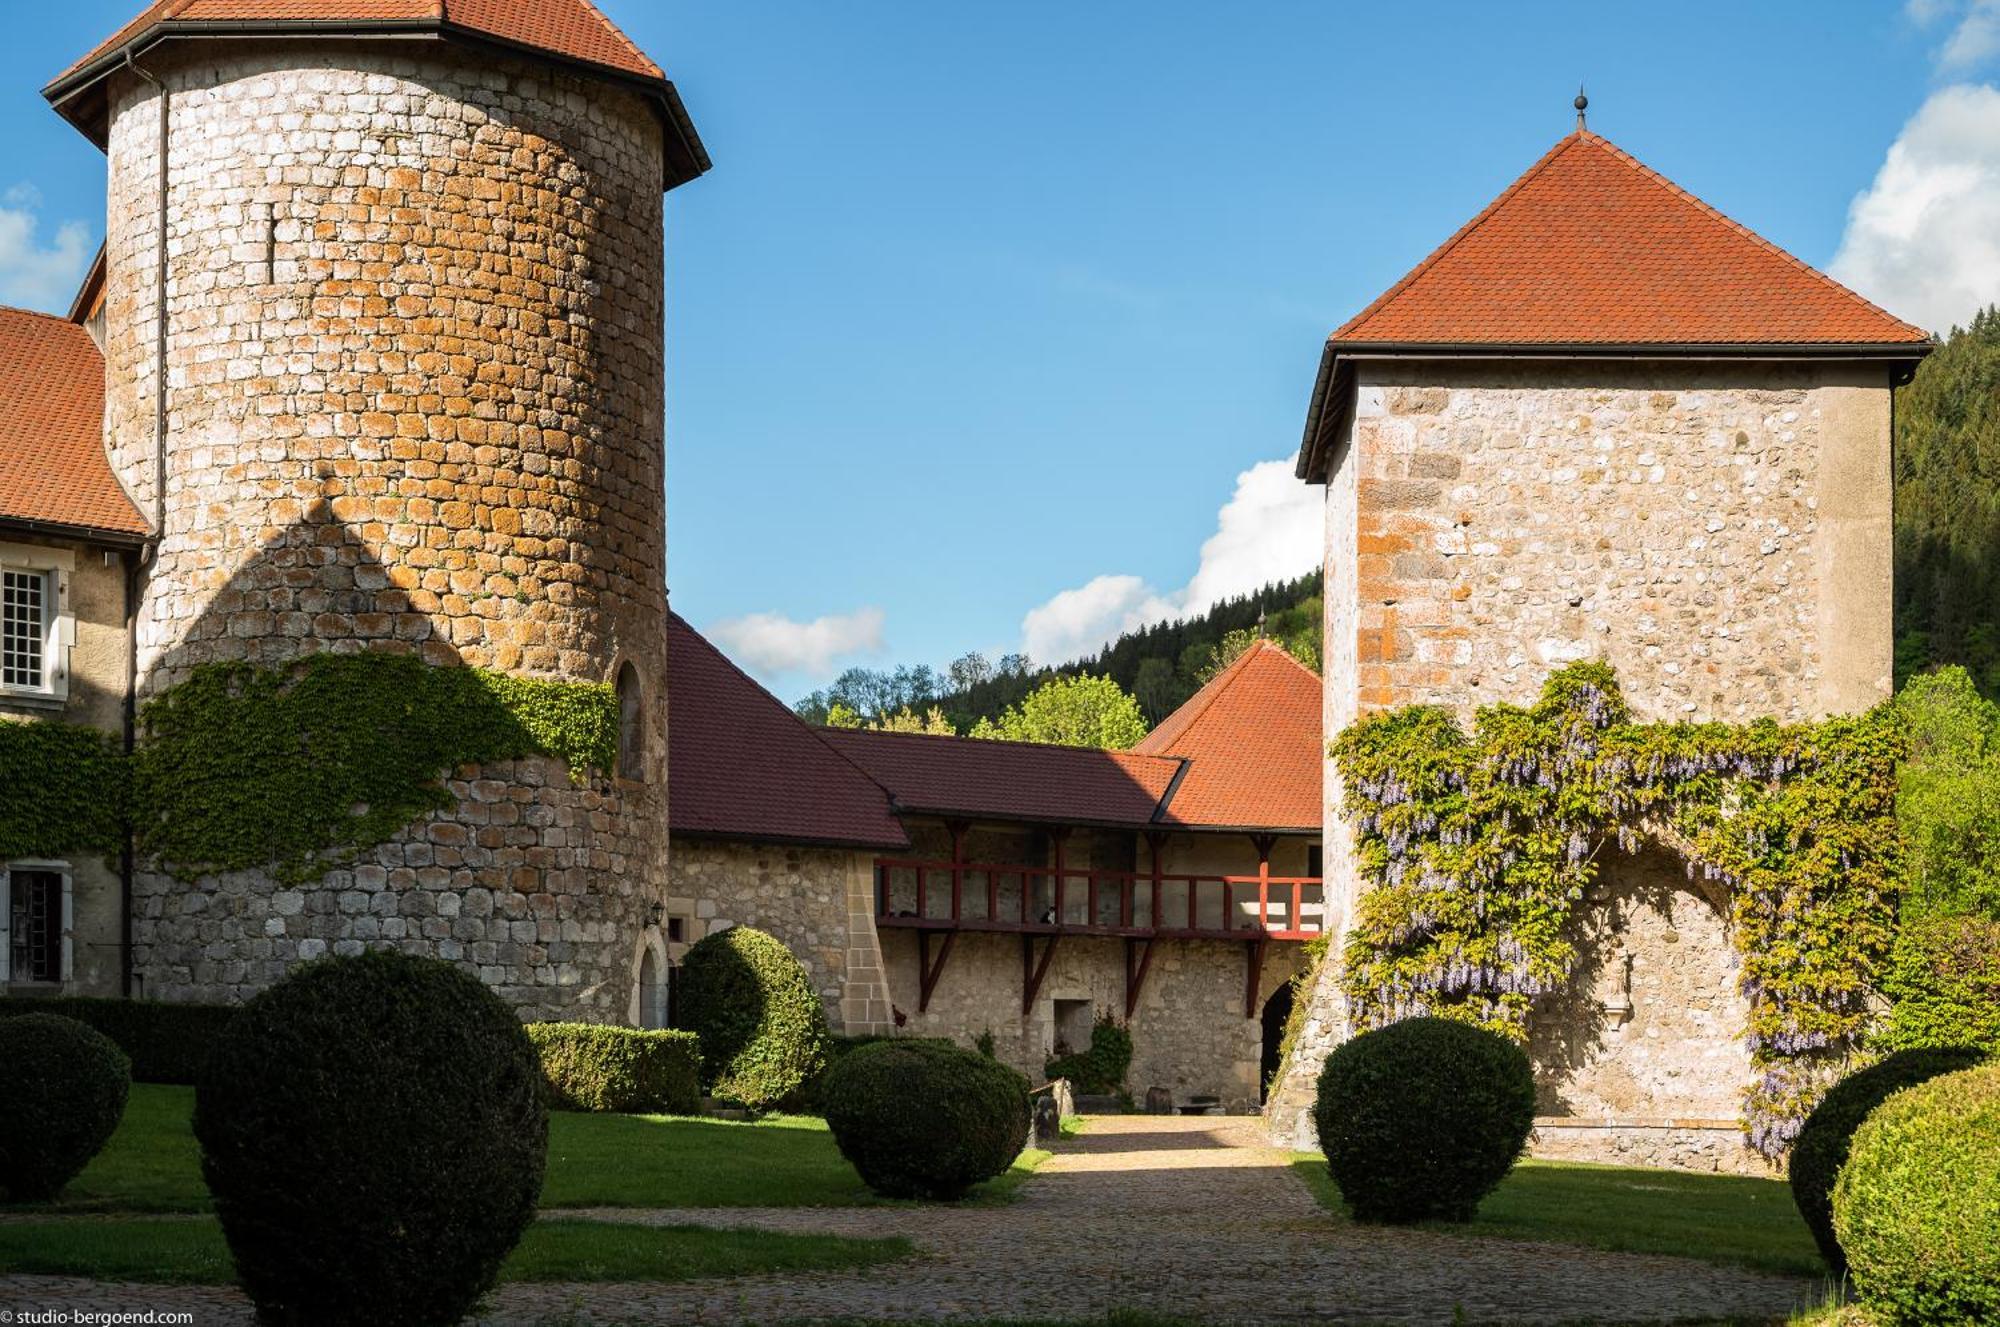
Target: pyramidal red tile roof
[(1253, 746), (982, 779), (573, 29), (53, 470), (1592, 247), (740, 764)]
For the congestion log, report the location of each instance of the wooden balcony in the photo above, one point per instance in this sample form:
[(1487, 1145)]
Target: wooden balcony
[(941, 899)]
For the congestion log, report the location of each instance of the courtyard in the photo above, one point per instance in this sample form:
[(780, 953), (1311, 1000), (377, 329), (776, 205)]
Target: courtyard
[(660, 1219)]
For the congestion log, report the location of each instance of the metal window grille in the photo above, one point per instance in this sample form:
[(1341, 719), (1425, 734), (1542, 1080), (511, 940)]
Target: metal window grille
[(24, 606), (35, 908)]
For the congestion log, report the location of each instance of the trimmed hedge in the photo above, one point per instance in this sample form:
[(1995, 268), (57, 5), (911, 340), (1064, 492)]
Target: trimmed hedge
[(589, 1066), (167, 1043), (373, 1131), (1421, 1119), (66, 1085), (1829, 1131), (762, 1026), (923, 1119), (1917, 1206)]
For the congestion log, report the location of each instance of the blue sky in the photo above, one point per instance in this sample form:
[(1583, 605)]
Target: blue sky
[(985, 310)]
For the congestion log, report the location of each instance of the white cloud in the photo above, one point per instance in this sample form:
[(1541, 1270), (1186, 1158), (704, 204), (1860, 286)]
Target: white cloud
[(32, 274), (1269, 530), (1923, 240), (771, 643), (1973, 39)]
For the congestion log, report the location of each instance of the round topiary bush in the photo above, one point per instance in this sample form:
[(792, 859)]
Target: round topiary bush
[(1421, 1119), (1917, 1206), (65, 1093), (762, 1026), (1822, 1144), (925, 1119), (373, 1132)]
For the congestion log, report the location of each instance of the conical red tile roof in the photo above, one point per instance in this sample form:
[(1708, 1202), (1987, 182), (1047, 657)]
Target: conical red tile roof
[(1591, 247)]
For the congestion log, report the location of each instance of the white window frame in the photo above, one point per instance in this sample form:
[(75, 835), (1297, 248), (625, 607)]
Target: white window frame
[(65, 962), (58, 624)]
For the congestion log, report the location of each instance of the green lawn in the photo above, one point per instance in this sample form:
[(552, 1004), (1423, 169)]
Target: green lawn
[(152, 1165), (191, 1251), (1718, 1218)]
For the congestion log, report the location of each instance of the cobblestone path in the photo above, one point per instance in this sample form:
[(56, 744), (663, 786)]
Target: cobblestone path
[(1188, 1217)]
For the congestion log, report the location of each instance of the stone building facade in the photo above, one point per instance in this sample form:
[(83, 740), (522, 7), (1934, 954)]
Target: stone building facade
[(1605, 422), (381, 320), (821, 837)]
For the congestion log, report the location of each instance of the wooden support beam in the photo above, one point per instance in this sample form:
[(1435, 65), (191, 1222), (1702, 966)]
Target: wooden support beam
[(1034, 972), (1138, 962), (1253, 981), (929, 972)]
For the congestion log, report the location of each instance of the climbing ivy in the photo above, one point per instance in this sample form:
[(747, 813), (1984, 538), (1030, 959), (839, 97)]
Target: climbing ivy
[(297, 768), (1480, 848), (66, 790)]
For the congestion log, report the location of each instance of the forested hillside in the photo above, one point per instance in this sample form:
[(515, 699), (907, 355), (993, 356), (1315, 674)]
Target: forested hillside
[(1947, 477), (1160, 665)]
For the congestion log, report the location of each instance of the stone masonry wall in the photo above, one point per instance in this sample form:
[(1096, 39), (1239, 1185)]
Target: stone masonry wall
[(819, 901), (1720, 533), (414, 396)]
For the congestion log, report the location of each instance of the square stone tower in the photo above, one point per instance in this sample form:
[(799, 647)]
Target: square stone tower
[(1603, 421)]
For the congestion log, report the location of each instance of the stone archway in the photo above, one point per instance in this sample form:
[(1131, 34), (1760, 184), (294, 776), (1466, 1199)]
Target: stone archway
[(1277, 1012), (1643, 1055), (651, 980)]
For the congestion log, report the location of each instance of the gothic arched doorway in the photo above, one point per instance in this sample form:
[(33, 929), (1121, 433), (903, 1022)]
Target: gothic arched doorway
[(1277, 1013)]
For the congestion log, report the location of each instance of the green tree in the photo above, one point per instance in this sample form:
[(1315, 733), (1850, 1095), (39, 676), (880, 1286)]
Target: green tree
[(1071, 711), (1947, 477), (907, 720)]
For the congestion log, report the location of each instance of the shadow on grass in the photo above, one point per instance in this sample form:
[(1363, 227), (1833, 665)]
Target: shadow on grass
[(191, 1251), (1730, 1219), (153, 1165)]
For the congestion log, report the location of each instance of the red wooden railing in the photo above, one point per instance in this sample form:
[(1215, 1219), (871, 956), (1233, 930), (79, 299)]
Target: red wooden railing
[(991, 896)]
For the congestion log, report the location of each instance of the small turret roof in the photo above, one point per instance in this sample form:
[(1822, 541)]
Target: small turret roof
[(1253, 746)]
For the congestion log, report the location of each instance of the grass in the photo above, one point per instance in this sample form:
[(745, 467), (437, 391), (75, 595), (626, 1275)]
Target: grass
[(151, 1164), (1729, 1219), (191, 1251)]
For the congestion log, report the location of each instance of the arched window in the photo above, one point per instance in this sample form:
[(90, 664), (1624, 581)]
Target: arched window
[(631, 724), (652, 992)]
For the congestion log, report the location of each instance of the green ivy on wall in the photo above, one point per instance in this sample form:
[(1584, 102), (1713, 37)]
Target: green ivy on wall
[(1480, 849), (294, 769), (66, 790), (291, 769)]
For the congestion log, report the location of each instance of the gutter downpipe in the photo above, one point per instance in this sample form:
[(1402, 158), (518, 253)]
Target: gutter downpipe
[(136, 567)]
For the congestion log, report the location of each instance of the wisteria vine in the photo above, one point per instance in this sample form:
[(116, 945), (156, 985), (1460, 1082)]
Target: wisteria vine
[(1479, 851)]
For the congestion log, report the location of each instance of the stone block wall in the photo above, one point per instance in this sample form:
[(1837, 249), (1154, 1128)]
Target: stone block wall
[(819, 901), (414, 403), (540, 887), (1720, 533)]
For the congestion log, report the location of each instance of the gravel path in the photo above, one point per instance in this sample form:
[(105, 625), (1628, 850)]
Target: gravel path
[(1191, 1217)]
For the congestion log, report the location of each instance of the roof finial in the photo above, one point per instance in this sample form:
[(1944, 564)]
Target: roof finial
[(1582, 104), (1260, 624)]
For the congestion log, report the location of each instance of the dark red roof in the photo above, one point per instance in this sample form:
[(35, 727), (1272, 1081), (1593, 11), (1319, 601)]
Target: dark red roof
[(52, 464), (1591, 247), (989, 780), (740, 764), (1253, 743)]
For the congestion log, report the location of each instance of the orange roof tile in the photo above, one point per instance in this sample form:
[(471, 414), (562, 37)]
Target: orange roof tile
[(1591, 247), (573, 29), (52, 464), (1253, 744), (740, 764), (981, 779)]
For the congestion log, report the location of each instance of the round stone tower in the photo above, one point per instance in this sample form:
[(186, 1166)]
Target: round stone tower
[(413, 365)]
